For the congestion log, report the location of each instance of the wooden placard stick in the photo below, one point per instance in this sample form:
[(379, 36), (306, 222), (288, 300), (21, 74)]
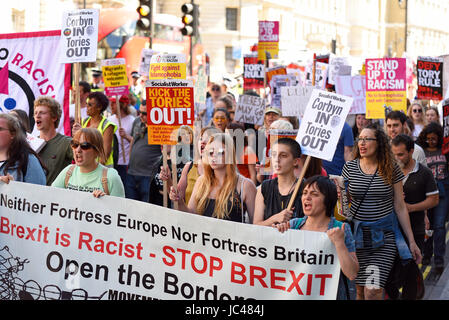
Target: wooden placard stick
[(174, 171), (76, 76), (119, 117), (306, 163), (165, 185)]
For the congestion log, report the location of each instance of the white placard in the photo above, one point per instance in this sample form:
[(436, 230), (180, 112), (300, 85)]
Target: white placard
[(79, 36), (322, 123), (334, 67), (354, 87), (250, 110), (294, 100), (321, 70), (145, 59)]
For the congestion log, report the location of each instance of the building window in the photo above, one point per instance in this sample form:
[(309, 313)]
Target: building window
[(18, 20), (231, 19), (230, 61)]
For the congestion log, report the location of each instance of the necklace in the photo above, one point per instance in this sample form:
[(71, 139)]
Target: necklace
[(284, 202), (367, 169)]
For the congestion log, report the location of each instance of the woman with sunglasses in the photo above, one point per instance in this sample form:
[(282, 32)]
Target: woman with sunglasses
[(18, 162), (416, 113), (88, 174), (220, 192), (378, 208), (221, 119), (431, 140)]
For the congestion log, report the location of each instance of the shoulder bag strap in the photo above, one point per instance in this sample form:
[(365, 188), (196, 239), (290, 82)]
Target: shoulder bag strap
[(363, 198)]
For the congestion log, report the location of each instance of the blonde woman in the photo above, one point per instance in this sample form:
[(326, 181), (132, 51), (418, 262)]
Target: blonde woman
[(88, 174), (220, 192), (416, 113)]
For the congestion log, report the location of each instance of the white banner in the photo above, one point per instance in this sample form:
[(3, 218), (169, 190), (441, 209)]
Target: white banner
[(79, 36), (31, 71), (322, 123), (61, 244)]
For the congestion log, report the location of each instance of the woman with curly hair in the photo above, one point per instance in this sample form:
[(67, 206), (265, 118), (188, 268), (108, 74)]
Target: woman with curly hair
[(431, 140), (375, 187)]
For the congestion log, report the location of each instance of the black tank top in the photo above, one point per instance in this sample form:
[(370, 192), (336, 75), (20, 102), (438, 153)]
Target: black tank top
[(235, 215), (275, 202)]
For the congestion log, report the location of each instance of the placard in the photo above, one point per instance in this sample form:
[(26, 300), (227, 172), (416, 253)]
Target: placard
[(320, 75), (168, 66), (145, 60), (60, 244), (354, 87), (115, 77), (322, 124), (294, 100), (268, 45), (276, 83), (250, 109), (337, 65), (430, 78), (445, 106), (385, 86), (79, 36), (253, 72), (170, 104)]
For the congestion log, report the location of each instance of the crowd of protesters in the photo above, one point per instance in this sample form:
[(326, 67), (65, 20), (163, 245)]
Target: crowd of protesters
[(396, 172)]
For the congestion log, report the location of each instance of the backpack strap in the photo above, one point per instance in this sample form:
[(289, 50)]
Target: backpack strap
[(68, 175), (104, 181)]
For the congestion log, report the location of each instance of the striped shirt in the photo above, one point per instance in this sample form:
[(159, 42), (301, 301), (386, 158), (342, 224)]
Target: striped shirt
[(378, 201)]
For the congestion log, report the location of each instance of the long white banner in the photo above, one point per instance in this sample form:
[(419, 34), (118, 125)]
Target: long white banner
[(60, 244)]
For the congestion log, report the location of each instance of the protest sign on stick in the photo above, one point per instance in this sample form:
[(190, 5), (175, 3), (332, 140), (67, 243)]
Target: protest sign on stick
[(294, 100), (116, 84), (170, 104), (79, 44), (321, 126), (385, 86), (445, 148), (355, 87), (250, 110), (430, 78)]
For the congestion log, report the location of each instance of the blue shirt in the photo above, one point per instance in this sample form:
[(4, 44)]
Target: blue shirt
[(338, 161)]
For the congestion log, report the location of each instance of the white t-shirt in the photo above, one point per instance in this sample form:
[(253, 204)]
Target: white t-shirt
[(127, 124)]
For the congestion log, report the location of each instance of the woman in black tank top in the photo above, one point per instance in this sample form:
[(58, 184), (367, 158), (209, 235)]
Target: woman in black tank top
[(215, 193)]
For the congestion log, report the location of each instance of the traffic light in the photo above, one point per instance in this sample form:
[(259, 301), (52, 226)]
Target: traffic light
[(144, 10), (190, 19)]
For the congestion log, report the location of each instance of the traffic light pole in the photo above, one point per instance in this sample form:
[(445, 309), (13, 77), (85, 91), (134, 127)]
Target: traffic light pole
[(191, 49)]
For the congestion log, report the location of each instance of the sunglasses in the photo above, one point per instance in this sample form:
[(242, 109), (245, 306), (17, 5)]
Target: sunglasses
[(417, 110), (83, 145), (219, 152), (216, 89), (143, 113), (220, 118)]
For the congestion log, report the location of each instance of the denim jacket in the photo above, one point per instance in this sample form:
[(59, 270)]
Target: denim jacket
[(377, 228), (34, 174)]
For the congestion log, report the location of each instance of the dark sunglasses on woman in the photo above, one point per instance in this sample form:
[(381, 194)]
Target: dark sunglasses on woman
[(83, 145)]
